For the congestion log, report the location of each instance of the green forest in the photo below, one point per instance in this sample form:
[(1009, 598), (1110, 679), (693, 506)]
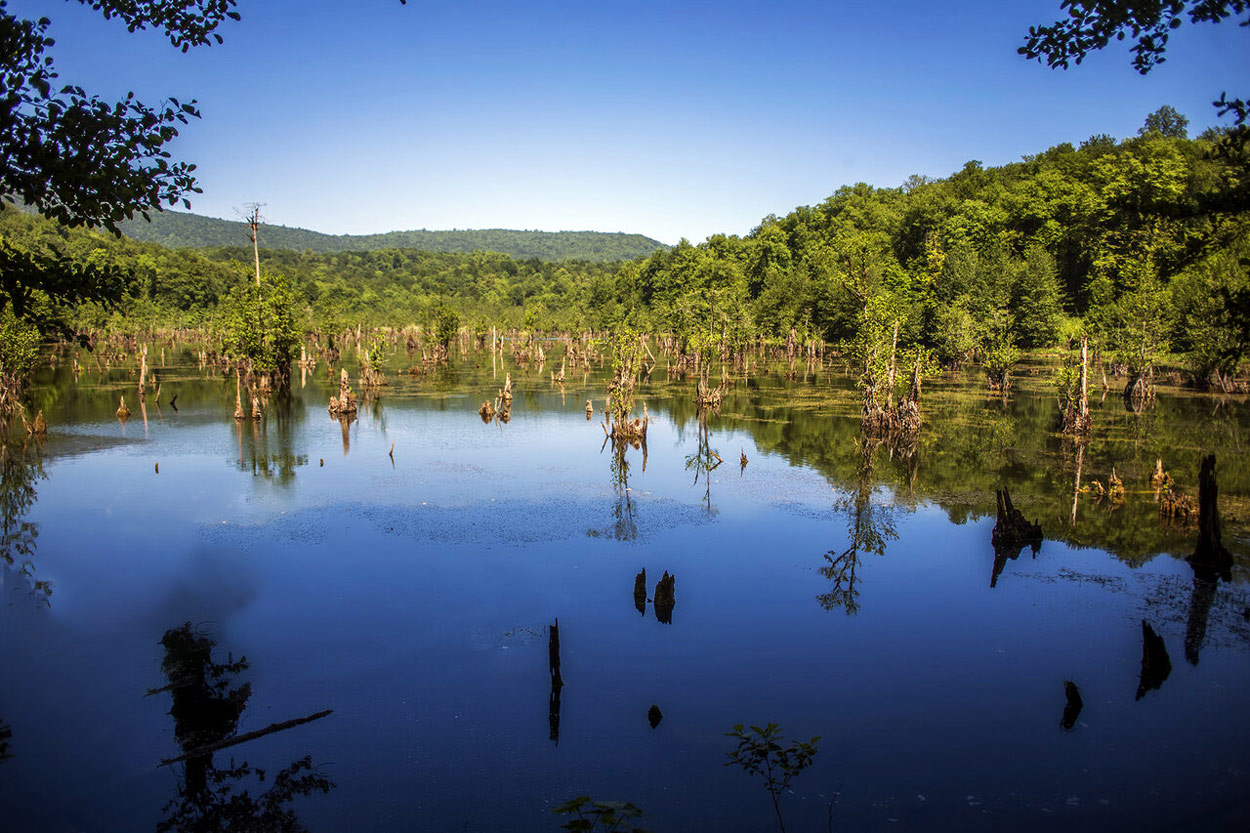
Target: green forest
[(1141, 245), (179, 230)]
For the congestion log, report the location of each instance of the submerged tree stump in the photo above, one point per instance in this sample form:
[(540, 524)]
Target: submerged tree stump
[(640, 592), (590, 410), (486, 412), (1071, 709), (1012, 529), (665, 598), (345, 403), (122, 411), (1210, 556)]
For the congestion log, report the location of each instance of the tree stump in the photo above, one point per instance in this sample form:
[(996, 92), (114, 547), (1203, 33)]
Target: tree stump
[(1013, 530), (1210, 556), (640, 592), (122, 411), (665, 598)]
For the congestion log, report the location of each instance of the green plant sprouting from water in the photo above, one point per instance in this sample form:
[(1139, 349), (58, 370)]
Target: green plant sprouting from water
[(604, 816), (760, 752)]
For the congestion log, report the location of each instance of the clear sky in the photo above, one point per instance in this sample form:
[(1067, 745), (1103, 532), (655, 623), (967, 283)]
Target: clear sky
[(670, 119)]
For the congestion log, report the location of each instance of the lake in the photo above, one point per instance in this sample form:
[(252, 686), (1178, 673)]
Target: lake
[(179, 580)]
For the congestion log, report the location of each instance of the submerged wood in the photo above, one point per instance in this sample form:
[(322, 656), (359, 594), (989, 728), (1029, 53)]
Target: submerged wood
[(1071, 709), (1210, 557), (590, 410), (1012, 529), (665, 598), (486, 412), (235, 740), (1155, 664), (640, 592), (557, 681), (654, 715), (238, 399), (345, 403), (122, 411)]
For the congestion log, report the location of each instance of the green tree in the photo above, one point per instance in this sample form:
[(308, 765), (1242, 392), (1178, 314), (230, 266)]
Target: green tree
[(1166, 122), (258, 326)]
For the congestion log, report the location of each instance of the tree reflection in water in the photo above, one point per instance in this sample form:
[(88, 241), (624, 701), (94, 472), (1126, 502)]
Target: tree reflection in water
[(704, 461), (206, 710), (870, 527), (20, 471), (624, 524)]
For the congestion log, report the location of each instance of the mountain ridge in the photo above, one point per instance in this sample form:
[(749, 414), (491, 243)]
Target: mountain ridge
[(184, 230)]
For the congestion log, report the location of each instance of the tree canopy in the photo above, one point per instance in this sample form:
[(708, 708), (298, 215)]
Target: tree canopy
[(1093, 24)]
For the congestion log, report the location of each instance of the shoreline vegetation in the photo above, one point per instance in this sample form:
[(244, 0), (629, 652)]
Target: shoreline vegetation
[(1131, 259)]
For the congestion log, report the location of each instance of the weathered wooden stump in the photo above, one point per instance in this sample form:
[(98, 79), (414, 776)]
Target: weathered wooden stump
[(1210, 557)]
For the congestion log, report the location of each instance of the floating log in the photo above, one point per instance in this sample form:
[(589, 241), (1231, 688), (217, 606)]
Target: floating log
[(1155, 664), (235, 740), (640, 592), (665, 598), (654, 715), (1072, 709)]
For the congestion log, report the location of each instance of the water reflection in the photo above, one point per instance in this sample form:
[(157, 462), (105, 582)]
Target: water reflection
[(870, 526), (1155, 663), (207, 705), (267, 447), (704, 461), (624, 522), (20, 470)]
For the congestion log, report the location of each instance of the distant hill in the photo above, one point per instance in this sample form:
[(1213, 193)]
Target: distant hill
[(179, 230)]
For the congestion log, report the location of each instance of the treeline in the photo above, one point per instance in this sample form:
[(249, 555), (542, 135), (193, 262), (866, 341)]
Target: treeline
[(1142, 245), (176, 229)]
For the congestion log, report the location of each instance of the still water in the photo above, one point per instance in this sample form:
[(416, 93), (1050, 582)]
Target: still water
[(180, 580)]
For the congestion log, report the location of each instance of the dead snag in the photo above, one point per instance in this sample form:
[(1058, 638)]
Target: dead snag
[(343, 405), (122, 411), (665, 598), (640, 592), (1210, 556), (1012, 529)]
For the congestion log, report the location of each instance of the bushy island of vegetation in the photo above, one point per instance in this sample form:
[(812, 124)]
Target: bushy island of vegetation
[(1140, 246)]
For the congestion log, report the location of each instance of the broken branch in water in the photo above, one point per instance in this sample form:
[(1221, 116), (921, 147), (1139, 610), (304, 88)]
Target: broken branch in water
[(235, 740)]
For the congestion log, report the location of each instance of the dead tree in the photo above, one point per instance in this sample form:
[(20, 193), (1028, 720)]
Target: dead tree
[(1210, 556)]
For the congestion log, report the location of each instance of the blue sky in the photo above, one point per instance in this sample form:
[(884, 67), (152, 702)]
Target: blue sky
[(669, 119)]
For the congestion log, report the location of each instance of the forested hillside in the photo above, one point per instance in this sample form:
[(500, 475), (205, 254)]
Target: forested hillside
[(1143, 245), (176, 230)]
